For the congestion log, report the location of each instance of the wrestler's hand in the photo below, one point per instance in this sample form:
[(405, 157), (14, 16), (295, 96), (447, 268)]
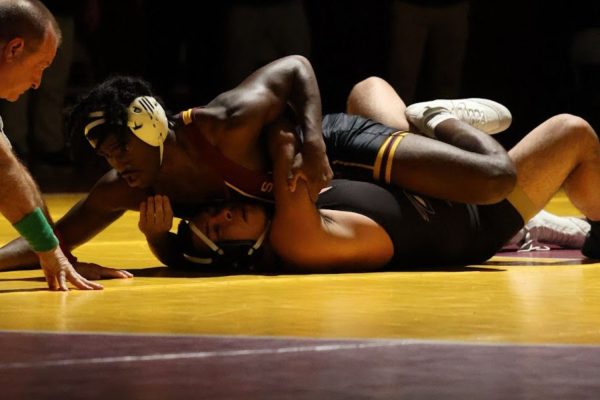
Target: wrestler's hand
[(95, 271), (156, 217), (58, 270), (313, 167)]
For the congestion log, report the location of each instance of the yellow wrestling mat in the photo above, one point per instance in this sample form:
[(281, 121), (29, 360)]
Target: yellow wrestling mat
[(509, 300)]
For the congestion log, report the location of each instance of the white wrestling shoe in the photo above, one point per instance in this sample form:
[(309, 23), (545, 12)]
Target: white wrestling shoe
[(486, 115), (546, 229)]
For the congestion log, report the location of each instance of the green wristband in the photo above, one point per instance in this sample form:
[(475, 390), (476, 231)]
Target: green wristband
[(37, 231)]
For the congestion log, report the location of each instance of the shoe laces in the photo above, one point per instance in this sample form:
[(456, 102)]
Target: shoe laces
[(531, 244)]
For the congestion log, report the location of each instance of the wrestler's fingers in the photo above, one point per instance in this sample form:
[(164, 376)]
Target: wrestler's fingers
[(158, 208), (62, 282), (121, 273), (150, 210), (167, 207), (143, 210), (293, 180), (51, 280)]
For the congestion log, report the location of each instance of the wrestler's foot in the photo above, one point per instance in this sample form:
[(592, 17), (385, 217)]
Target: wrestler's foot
[(549, 229), (486, 115), (591, 246)]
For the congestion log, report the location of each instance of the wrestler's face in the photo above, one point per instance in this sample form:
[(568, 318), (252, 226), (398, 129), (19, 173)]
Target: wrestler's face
[(135, 161), (236, 221), (22, 68)]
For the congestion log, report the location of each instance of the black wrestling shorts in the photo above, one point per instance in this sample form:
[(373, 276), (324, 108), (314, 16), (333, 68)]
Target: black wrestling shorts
[(426, 231), (437, 232), (359, 148)]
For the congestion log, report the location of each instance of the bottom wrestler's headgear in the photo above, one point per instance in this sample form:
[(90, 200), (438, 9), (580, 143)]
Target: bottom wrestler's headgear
[(236, 255), (145, 118)]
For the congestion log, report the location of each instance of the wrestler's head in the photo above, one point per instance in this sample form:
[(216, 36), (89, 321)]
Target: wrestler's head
[(127, 125), (231, 235)]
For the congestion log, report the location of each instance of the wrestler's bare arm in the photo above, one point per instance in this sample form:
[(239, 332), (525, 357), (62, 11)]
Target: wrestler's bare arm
[(237, 118), (262, 97), (340, 242), (106, 202)]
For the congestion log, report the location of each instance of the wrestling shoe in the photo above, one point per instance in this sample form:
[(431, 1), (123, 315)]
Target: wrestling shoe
[(549, 229), (591, 246), (486, 115)]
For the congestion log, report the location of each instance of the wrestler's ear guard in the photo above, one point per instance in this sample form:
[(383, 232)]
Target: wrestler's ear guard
[(145, 118), (148, 121)]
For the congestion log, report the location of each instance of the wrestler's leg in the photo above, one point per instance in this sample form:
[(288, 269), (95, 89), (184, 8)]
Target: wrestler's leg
[(375, 99), (561, 152), (463, 165)]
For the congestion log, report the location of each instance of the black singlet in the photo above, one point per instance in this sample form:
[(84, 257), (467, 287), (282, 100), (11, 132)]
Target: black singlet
[(427, 231)]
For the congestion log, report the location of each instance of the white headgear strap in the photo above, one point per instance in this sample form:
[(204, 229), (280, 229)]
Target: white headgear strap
[(215, 248), (212, 245)]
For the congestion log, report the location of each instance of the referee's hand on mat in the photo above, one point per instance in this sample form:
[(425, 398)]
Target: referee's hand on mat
[(58, 271)]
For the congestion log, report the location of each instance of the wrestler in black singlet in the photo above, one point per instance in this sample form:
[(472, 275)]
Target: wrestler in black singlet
[(427, 231)]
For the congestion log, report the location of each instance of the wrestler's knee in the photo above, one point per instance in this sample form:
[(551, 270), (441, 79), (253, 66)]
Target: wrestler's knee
[(369, 83), (576, 128), (362, 89)]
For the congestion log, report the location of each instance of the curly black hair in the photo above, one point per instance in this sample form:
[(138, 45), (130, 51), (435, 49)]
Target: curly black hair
[(112, 97)]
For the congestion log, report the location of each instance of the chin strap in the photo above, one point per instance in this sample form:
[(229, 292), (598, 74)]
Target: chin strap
[(260, 239), (216, 249)]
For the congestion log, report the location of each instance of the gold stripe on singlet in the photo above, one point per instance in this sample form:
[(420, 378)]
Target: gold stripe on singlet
[(186, 116), (379, 158), (386, 152), (390, 159)]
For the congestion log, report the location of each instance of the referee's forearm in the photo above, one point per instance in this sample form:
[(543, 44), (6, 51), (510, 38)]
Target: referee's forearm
[(19, 194)]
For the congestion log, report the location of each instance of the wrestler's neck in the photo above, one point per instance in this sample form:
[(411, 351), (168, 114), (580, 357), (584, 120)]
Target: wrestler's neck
[(180, 164), (175, 157)]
